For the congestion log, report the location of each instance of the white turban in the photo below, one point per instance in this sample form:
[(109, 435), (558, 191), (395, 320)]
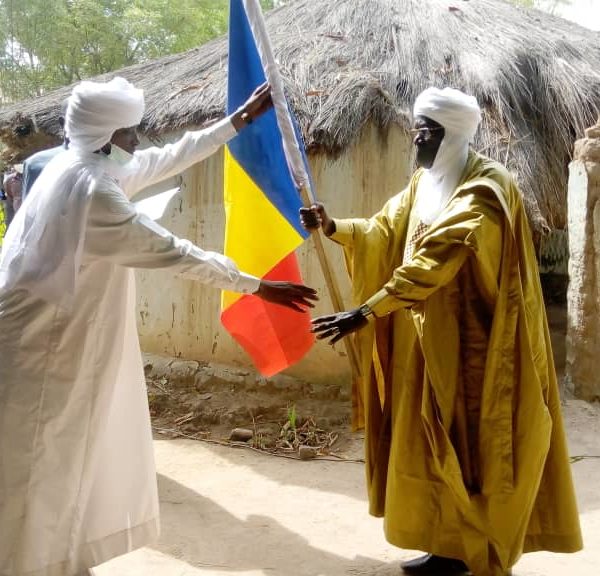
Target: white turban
[(43, 245), (456, 111), (97, 109), (460, 115)]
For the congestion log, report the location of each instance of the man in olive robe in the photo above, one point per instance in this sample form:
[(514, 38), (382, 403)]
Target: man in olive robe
[(466, 456)]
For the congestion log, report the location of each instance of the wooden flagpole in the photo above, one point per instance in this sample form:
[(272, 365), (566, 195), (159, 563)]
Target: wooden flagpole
[(295, 158), (333, 289)]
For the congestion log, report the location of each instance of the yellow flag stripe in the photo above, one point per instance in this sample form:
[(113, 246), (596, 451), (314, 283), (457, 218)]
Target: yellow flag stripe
[(257, 236)]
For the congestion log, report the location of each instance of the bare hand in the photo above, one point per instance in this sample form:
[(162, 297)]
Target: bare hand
[(336, 326), (294, 296), (259, 102), (316, 217)]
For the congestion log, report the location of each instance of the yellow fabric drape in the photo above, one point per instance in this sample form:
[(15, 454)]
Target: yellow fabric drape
[(465, 447)]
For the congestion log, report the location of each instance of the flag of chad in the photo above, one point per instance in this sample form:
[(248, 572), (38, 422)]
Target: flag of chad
[(262, 226)]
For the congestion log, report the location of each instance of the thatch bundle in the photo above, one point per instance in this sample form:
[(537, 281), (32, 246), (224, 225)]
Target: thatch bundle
[(349, 62)]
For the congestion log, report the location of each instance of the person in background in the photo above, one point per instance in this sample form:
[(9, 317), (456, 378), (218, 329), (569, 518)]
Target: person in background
[(13, 185), (34, 164)]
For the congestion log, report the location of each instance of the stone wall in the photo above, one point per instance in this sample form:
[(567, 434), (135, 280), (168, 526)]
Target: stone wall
[(583, 328)]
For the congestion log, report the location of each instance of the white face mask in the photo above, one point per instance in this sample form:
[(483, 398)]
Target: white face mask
[(120, 156)]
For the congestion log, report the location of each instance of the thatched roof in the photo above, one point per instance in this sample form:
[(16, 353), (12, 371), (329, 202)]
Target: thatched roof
[(348, 62)]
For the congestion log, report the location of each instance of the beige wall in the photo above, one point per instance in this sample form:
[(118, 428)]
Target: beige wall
[(181, 318), (583, 297)]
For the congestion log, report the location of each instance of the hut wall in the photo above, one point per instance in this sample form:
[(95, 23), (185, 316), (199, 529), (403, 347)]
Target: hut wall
[(180, 318), (583, 297)]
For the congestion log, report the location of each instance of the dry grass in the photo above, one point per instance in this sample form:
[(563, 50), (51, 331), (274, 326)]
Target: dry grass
[(349, 62)]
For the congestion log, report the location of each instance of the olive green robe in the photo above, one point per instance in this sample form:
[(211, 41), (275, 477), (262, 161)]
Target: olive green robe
[(465, 447)]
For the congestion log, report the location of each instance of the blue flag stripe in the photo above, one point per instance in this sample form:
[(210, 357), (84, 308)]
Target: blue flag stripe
[(258, 148)]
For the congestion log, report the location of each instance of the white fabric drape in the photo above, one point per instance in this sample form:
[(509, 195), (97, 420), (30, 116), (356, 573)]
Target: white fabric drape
[(77, 476), (42, 254), (460, 115), (291, 147)]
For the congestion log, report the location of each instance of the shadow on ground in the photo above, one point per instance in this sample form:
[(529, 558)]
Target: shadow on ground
[(194, 526)]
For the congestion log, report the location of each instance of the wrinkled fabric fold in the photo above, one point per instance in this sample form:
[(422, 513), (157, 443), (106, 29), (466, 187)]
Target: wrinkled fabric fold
[(42, 255), (465, 447)]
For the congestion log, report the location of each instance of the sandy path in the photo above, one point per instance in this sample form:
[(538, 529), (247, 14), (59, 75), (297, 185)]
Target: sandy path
[(236, 511)]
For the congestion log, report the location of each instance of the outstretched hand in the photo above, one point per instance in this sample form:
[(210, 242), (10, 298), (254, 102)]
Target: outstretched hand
[(336, 326), (259, 101), (257, 104), (295, 296)]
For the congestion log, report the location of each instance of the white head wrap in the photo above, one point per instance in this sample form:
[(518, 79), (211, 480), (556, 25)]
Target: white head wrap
[(460, 115), (97, 109), (43, 246)]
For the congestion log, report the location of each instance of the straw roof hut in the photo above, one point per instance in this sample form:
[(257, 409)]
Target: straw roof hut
[(351, 62), (352, 70)]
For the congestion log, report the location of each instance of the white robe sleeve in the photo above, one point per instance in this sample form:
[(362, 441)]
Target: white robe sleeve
[(155, 164), (117, 233)]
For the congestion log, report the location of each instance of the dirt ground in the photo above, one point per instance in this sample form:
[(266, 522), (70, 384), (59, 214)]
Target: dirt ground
[(239, 508), (231, 510), (198, 400), (207, 401)]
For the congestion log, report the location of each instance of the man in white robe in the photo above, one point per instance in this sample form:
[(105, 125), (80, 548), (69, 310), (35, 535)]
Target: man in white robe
[(77, 476)]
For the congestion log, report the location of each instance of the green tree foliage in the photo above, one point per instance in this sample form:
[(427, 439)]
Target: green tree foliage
[(49, 43), (45, 44)]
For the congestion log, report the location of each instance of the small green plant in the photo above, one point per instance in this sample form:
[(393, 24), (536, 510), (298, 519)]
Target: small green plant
[(292, 416)]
